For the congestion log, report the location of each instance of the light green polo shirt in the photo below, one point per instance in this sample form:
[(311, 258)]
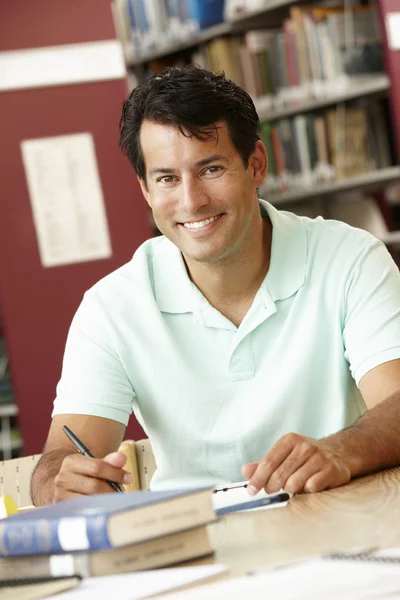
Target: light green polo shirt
[(211, 396)]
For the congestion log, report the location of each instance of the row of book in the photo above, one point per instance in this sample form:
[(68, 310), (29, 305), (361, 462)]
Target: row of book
[(152, 25), (326, 146), (314, 55)]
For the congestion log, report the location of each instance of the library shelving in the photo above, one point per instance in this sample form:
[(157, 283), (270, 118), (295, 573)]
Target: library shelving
[(355, 89), (359, 86)]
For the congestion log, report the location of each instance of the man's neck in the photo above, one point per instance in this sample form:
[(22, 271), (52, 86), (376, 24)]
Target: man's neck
[(231, 285)]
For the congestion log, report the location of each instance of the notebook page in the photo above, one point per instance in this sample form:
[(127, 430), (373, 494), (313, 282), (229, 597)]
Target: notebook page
[(142, 584)]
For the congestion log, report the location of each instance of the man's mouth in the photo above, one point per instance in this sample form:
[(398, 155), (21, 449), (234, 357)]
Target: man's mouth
[(200, 224)]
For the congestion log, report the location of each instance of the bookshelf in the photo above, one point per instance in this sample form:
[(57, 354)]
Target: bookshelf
[(369, 181), (381, 87), (241, 22), (173, 48), (391, 239), (359, 86)]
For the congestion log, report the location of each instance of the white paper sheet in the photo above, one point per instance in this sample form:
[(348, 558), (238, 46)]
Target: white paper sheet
[(393, 29), (144, 584), (313, 580), (66, 199)]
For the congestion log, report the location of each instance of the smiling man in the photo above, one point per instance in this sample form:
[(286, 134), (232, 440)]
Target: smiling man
[(248, 342)]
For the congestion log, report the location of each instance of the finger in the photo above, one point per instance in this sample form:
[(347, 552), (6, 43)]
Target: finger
[(60, 495), (301, 454), (116, 459), (248, 470), (91, 467), (268, 465), (88, 486), (119, 459), (326, 478), (296, 481)]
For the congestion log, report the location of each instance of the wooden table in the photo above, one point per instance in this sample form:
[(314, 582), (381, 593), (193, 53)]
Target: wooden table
[(363, 514)]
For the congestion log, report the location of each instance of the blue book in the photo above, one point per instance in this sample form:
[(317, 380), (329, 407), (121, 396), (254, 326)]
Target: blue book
[(206, 12), (104, 521)]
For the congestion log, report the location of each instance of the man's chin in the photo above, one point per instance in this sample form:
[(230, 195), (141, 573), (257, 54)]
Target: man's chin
[(204, 257)]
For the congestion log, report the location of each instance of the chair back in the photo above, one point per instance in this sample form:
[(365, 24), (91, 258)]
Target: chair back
[(15, 478), (15, 474), (145, 462)]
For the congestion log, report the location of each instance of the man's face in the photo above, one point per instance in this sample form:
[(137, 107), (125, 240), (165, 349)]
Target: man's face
[(202, 196)]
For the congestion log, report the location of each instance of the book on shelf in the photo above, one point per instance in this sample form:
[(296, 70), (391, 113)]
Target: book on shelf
[(327, 145), (238, 9), (154, 25), (312, 56), (101, 522), (152, 554)]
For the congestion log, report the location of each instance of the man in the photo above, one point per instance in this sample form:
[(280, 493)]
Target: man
[(248, 342)]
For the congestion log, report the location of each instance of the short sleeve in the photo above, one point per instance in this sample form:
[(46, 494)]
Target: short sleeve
[(93, 379), (372, 311)]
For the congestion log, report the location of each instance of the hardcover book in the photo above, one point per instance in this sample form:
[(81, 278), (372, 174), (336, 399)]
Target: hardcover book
[(104, 521)]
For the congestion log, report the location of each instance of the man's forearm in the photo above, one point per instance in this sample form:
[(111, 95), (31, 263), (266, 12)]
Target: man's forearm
[(42, 483), (373, 442)]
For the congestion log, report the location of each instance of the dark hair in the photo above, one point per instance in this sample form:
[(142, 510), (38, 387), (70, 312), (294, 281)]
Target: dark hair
[(193, 100)]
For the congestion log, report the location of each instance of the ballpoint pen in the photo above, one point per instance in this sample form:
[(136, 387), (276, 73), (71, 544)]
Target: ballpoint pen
[(254, 503), (86, 452)]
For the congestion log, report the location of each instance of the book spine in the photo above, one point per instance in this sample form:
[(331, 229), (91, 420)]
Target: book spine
[(53, 536), (206, 14)]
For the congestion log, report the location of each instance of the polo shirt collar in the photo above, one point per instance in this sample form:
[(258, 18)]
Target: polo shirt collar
[(175, 292), (287, 270)]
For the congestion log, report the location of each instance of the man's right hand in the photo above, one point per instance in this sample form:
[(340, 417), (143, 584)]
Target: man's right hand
[(82, 475)]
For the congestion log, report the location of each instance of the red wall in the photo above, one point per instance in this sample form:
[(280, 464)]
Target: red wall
[(38, 303)]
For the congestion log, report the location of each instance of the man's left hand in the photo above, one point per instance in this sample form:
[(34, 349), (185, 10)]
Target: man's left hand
[(297, 463)]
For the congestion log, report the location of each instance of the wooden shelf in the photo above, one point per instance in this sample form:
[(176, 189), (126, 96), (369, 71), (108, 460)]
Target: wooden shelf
[(8, 410), (374, 179), (14, 445), (194, 40), (358, 86), (392, 238), (273, 5)]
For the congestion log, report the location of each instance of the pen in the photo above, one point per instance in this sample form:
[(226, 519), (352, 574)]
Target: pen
[(86, 452), (256, 503)]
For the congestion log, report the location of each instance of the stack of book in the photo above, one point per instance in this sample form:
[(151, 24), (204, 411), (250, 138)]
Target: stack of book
[(106, 534)]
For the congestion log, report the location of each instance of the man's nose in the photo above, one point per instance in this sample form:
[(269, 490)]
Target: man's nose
[(193, 196)]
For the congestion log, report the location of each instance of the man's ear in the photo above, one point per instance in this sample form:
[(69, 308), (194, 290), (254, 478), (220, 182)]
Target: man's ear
[(259, 163), (144, 189)]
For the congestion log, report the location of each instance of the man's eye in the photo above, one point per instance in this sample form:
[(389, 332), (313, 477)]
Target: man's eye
[(166, 179), (213, 169)]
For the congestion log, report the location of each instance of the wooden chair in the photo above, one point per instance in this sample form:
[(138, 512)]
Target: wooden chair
[(15, 474)]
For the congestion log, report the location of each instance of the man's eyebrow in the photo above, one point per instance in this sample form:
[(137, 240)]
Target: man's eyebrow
[(210, 159), (160, 170), (201, 163)]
